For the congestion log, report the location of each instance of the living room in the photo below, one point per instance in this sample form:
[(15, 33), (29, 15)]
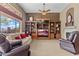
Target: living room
[(31, 28)]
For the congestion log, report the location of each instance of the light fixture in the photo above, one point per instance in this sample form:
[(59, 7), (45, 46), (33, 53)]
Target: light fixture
[(44, 11)]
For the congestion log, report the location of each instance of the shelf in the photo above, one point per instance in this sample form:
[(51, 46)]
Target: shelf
[(54, 29)]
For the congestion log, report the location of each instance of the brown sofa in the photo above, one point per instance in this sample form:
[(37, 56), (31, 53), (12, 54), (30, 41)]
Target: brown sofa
[(72, 43)]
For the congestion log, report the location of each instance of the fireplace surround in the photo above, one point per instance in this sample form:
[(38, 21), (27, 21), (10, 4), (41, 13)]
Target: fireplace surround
[(68, 30)]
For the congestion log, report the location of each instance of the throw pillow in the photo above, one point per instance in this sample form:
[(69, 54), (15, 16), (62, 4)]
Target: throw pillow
[(26, 35), (18, 37), (23, 35)]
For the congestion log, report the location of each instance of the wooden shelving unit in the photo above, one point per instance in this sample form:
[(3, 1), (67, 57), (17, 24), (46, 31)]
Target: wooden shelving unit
[(28, 27), (34, 29), (31, 27), (58, 26), (55, 30)]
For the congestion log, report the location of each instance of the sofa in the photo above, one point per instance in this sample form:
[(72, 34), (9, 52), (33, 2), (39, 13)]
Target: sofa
[(13, 48), (71, 44), (25, 40)]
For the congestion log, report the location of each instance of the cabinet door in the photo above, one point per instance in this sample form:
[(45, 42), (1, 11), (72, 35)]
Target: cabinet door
[(52, 36), (58, 36), (34, 36)]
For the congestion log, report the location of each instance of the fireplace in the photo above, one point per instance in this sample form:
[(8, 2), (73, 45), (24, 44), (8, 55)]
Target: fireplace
[(68, 30), (68, 34)]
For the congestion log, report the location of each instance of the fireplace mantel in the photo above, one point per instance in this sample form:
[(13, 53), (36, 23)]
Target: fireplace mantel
[(70, 27)]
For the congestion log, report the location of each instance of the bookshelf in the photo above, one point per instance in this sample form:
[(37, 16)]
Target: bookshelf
[(38, 29), (31, 28), (34, 29), (55, 30), (28, 27)]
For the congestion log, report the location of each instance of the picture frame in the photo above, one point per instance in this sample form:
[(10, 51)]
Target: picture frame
[(69, 20)]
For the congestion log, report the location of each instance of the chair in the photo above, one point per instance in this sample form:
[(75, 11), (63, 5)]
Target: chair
[(13, 48), (72, 43)]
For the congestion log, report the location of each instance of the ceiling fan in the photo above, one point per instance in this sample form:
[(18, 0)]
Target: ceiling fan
[(44, 11)]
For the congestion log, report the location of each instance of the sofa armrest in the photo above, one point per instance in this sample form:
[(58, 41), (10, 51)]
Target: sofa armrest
[(15, 51), (65, 41), (15, 43), (27, 40), (0, 53)]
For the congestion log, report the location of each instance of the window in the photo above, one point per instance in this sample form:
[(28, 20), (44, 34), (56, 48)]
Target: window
[(8, 25)]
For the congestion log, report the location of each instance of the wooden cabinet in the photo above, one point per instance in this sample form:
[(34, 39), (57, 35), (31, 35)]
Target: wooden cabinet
[(55, 30), (34, 36), (52, 35), (50, 29), (58, 36)]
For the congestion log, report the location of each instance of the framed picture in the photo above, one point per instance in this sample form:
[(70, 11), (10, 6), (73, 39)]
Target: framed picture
[(69, 20)]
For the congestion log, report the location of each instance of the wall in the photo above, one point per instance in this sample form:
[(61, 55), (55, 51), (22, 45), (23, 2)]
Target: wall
[(63, 17), (53, 17)]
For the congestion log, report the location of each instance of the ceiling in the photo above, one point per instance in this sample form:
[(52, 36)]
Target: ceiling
[(34, 7)]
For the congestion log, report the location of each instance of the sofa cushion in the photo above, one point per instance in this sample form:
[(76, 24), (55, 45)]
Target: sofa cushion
[(16, 43), (0, 53), (71, 36), (26, 40), (1, 50), (5, 47)]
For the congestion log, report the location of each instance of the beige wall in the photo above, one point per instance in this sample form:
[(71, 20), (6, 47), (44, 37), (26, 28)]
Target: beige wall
[(63, 17)]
